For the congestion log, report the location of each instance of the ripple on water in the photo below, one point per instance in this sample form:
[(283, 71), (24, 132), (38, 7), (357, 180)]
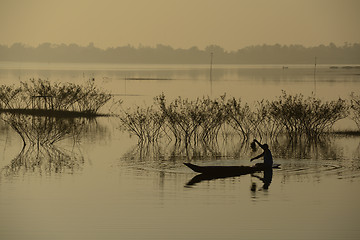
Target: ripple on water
[(303, 168)]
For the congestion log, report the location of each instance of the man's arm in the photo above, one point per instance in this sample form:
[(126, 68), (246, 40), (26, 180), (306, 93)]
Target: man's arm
[(259, 143), (261, 155)]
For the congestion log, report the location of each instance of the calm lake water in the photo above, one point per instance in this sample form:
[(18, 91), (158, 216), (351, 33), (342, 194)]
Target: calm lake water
[(98, 183)]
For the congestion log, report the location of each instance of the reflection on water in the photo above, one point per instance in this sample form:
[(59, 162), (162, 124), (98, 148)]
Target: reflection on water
[(330, 155), (266, 179), (39, 135), (174, 153), (43, 130), (236, 148), (324, 148), (129, 191), (140, 192), (44, 159)]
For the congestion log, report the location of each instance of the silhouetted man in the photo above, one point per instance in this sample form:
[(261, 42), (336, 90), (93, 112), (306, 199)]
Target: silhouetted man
[(268, 161)]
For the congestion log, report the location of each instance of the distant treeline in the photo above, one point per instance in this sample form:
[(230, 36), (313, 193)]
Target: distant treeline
[(259, 54)]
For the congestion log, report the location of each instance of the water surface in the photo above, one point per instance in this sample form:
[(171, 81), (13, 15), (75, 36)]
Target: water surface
[(98, 183)]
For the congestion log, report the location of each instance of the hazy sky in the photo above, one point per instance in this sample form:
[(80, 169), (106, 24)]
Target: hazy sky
[(232, 24)]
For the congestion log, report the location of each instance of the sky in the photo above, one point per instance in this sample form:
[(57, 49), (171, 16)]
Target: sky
[(231, 24)]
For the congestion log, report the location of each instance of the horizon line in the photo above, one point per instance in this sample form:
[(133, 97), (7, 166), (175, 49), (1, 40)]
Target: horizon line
[(92, 44)]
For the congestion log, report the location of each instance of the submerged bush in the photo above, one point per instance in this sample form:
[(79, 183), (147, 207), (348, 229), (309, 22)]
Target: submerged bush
[(240, 117), (264, 125), (10, 97), (42, 94), (191, 121), (355, 107), (183, 117), (145, 123), (310, 116), (214, 117)]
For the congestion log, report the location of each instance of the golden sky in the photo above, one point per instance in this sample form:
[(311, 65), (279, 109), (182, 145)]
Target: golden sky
[(232, 24)]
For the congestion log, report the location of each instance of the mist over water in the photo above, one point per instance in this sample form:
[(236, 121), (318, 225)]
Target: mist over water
[(97, 182)]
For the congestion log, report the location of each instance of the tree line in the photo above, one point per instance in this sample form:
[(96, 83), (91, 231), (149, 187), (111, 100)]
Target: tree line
[(348, 53)]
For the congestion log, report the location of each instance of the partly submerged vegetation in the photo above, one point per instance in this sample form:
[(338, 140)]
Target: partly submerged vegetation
[(195, 126), (204, 119), (183, 120), (307, 116), (145, 123), (41, 97), (355, 107), (44, 113)]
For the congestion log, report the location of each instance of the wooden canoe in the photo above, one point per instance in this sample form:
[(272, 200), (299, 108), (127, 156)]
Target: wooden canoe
[(228, 170)]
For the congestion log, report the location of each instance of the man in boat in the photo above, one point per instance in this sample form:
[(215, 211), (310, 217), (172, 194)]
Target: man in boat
[(268, 161)]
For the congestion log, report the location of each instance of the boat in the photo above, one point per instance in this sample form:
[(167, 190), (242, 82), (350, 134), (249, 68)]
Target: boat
[(208, 173), (228, 170)]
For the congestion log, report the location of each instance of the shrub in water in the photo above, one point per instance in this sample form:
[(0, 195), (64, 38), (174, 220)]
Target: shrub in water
[(355, 107), (183, 117), (42, 94), (310, 116), (240, 117), (145, 123)]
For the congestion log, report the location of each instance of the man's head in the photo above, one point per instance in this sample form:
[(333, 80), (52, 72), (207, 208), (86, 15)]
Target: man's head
[(265, 146)]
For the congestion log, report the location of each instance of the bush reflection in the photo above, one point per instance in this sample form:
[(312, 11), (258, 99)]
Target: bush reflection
[(301, 158), (235, 149), (39, 135)]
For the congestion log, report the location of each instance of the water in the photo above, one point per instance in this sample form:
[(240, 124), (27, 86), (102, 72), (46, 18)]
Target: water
[(251, 82), (99, 184)]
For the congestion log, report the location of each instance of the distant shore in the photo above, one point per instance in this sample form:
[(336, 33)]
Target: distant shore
[(164, 54)]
